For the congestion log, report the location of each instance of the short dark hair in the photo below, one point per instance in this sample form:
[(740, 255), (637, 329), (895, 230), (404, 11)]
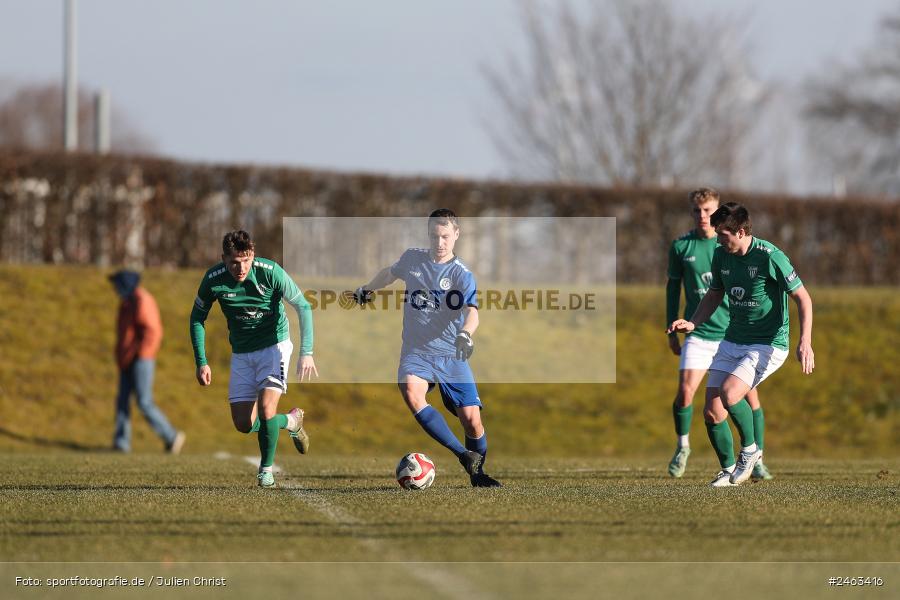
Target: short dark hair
[(237, 242), (732, 217), (443, 216)]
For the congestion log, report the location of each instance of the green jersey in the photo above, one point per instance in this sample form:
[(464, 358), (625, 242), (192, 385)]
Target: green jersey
[(690, 263), (252, 308), (756, 286)]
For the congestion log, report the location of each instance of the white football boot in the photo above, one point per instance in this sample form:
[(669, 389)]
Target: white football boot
[(722, 479), (745, 463)]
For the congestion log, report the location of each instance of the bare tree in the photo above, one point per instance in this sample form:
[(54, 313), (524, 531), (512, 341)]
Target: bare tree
[(31, 118), (629, 93), (854, 116)]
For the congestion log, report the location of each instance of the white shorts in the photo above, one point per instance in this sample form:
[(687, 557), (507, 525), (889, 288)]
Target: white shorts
[(252, 372), (697, 353), (750, 363)]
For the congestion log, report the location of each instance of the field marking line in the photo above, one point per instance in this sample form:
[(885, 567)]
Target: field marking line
[(434, 577)]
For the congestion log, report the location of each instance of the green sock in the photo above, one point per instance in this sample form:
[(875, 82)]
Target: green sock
[(281, 419), (742, 415), (268, 439), (682, 418), (722, 442), (759, 426)]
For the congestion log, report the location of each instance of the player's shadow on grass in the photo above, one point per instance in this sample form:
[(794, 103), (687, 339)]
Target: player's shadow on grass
[(48, 443)]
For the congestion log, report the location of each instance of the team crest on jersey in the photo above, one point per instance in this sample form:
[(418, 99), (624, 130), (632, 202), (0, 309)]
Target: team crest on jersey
[(445, 283), (737, 292), (752, 271), (690, 258), (706, 278)]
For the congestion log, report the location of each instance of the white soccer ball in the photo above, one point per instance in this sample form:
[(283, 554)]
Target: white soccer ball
[(415, 472)]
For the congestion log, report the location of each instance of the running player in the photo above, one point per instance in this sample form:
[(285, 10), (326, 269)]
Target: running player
[(250, 290), (690, 262), (440, 316), (757, 277)]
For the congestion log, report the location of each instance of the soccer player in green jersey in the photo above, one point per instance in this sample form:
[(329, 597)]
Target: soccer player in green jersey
[(757, 278), (250, 290), (690, 263)]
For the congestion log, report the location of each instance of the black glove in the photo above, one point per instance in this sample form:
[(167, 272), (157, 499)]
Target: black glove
[(361, 296), (464, 345)]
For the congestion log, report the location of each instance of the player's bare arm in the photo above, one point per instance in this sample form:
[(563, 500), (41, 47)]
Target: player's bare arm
[(705, 309), (804, 349), (383, 279), (363, 294)]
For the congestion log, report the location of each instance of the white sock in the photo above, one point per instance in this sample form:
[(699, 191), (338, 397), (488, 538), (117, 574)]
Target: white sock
[(684, 441), (265, 469), (292, 421), (729, 469), (749, 449)]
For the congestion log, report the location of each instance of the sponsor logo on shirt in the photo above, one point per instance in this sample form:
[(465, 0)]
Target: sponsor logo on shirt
[(230, 295), (792, 276), (253, 314), (725, 271), (690, 258), (752, 272), (416, 273), (706, 278), (738, 292), (215, 273), (423, 301)]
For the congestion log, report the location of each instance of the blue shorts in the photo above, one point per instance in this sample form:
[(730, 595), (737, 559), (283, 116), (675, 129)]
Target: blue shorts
[(453, 377)]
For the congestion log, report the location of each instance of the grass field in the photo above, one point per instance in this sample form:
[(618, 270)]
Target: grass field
[(81, 508), (586, 506)]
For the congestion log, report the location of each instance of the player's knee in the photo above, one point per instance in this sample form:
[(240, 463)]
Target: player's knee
[(473, 430), (414, 400), (714, 414), (730, 396), (243, 426), (685, 396), (471, 423)]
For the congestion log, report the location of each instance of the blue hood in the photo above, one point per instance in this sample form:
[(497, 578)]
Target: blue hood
[(125, 282)]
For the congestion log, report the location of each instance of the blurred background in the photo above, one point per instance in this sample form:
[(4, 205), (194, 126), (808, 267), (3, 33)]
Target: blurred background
[(189, 120)]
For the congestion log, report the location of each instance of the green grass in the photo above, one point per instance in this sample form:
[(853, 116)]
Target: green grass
[(58, 380), (105, 507)]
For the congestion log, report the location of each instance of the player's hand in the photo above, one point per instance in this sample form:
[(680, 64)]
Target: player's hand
[(306, 368), (360, 295), (464, 345), (806, 357), (680, 326), (204, 375), (675, 345)]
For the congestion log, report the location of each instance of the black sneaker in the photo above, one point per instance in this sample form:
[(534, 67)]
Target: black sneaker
[(471, 462), (484, 480)]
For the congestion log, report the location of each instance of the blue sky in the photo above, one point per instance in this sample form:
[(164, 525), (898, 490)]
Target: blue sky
[(345, 84)]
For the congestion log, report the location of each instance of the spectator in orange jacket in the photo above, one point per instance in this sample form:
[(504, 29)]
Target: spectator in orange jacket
[(139, 335)]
